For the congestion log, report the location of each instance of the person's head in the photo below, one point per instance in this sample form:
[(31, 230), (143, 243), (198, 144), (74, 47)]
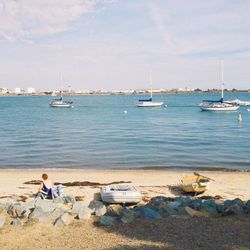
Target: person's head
[(45, 176)]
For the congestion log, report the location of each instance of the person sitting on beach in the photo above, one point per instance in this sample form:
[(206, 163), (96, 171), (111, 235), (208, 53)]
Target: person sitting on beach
[(46, 189)]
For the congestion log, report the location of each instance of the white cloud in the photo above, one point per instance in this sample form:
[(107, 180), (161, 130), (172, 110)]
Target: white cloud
[(29, 19)]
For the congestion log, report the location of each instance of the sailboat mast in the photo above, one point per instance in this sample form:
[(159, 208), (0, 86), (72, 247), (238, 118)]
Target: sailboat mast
[(222, 80), (150, 78)]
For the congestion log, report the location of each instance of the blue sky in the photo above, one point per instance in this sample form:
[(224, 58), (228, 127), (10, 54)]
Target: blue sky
[(113, 44)]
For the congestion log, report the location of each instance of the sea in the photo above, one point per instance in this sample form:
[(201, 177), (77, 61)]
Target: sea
[(110, 132)]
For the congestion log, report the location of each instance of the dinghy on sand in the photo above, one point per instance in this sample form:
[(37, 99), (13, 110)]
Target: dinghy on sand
[(194, 183), (120, 194)]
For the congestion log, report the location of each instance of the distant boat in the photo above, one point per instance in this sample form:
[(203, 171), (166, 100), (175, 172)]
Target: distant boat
[(120, 194), (220, 105), (60, 103), (149, 102), (194, 183)]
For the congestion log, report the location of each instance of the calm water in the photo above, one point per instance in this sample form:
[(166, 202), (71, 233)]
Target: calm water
[(97, 134)]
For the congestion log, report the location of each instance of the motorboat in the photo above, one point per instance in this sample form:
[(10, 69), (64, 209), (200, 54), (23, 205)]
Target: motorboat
[(238, 102), (59, 103), (149, 102), (120, 194), (194, 183), (220, 105)]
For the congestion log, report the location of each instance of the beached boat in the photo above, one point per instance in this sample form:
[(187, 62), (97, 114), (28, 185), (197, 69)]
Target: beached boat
[(220, 105), (194, 183), (120, 194), (59, 103), (149, 102)]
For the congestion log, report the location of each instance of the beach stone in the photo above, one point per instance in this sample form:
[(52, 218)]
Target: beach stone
[(147, 213), (107, 220), (100, 211), (63, 220), (30, 204), (210, 207), (247, 207), (39, 215), (17, 222), (77, 207), (127, 216), (94, 204), (2, 220), (219, 206), (196, 204), (114, 210), (17, 210), (84, 214), (158, 200), (234, 210), (69, 199), (185, 201), (59, 200), (194, 213), (45, 205)]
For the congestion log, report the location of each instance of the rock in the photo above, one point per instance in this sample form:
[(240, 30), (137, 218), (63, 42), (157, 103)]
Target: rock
[(77, 207), (39, 215), (63, 220), (94, 204), (234, 210), (174, 205), (17, 222), (107, 220), (194, 213), (219, 206), (147, 213), (84, 214), (210, 207), (196, 204), (2, 220), (45, 205), (69, 199), (247, 207), (100, 211), (18, 210), (127, 216), (59, 200), (114, 210), (185, 201), (156, 201)]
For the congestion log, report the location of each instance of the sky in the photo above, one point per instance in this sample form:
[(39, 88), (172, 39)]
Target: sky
[(114, 44)]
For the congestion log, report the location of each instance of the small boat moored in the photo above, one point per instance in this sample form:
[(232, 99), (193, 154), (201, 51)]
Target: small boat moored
[(120, 194), (59, 103), (194, 183)]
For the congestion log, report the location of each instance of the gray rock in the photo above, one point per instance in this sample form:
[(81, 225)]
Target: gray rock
[(247, 207), (107, 220), (39, 215), (100, 211), (17, 210), (185, 201), (114, 210), (77, 207), (45, 205), (84, 214), (17, 222), (69, 199), (59, 200), (196, 204), (94, 204), (147, 213), (2, 220), (127, 216), (234, 210), (219, 206), (63, 220)]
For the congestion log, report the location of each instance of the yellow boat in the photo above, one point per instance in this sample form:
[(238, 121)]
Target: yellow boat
[(194, 183)]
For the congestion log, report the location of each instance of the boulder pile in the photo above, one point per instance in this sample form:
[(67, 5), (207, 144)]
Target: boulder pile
[(63, 211)]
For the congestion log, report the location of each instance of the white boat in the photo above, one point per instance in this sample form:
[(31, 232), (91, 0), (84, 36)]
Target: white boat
[(120, 194), (149, 102), (238, 102), (220, 105), (59, 103)]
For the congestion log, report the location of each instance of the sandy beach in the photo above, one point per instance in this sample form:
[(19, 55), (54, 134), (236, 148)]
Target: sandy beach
[(168, 233)]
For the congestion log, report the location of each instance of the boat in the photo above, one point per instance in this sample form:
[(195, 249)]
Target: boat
[(219, 105), (149, 102), (238, 102), (120, 194), (59, 103), (194, 183)]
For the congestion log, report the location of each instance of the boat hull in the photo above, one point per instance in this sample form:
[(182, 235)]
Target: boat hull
[(234, 108), (60, 104), (114, 195), (149, 104), (194, 184)]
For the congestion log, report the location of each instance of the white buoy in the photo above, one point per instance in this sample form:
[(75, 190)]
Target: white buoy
[(125, 112), (248, 110), (239, 118)]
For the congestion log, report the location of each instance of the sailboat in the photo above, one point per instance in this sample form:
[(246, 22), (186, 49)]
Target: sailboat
[(60, 103), (149, 102), (219, 105)]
